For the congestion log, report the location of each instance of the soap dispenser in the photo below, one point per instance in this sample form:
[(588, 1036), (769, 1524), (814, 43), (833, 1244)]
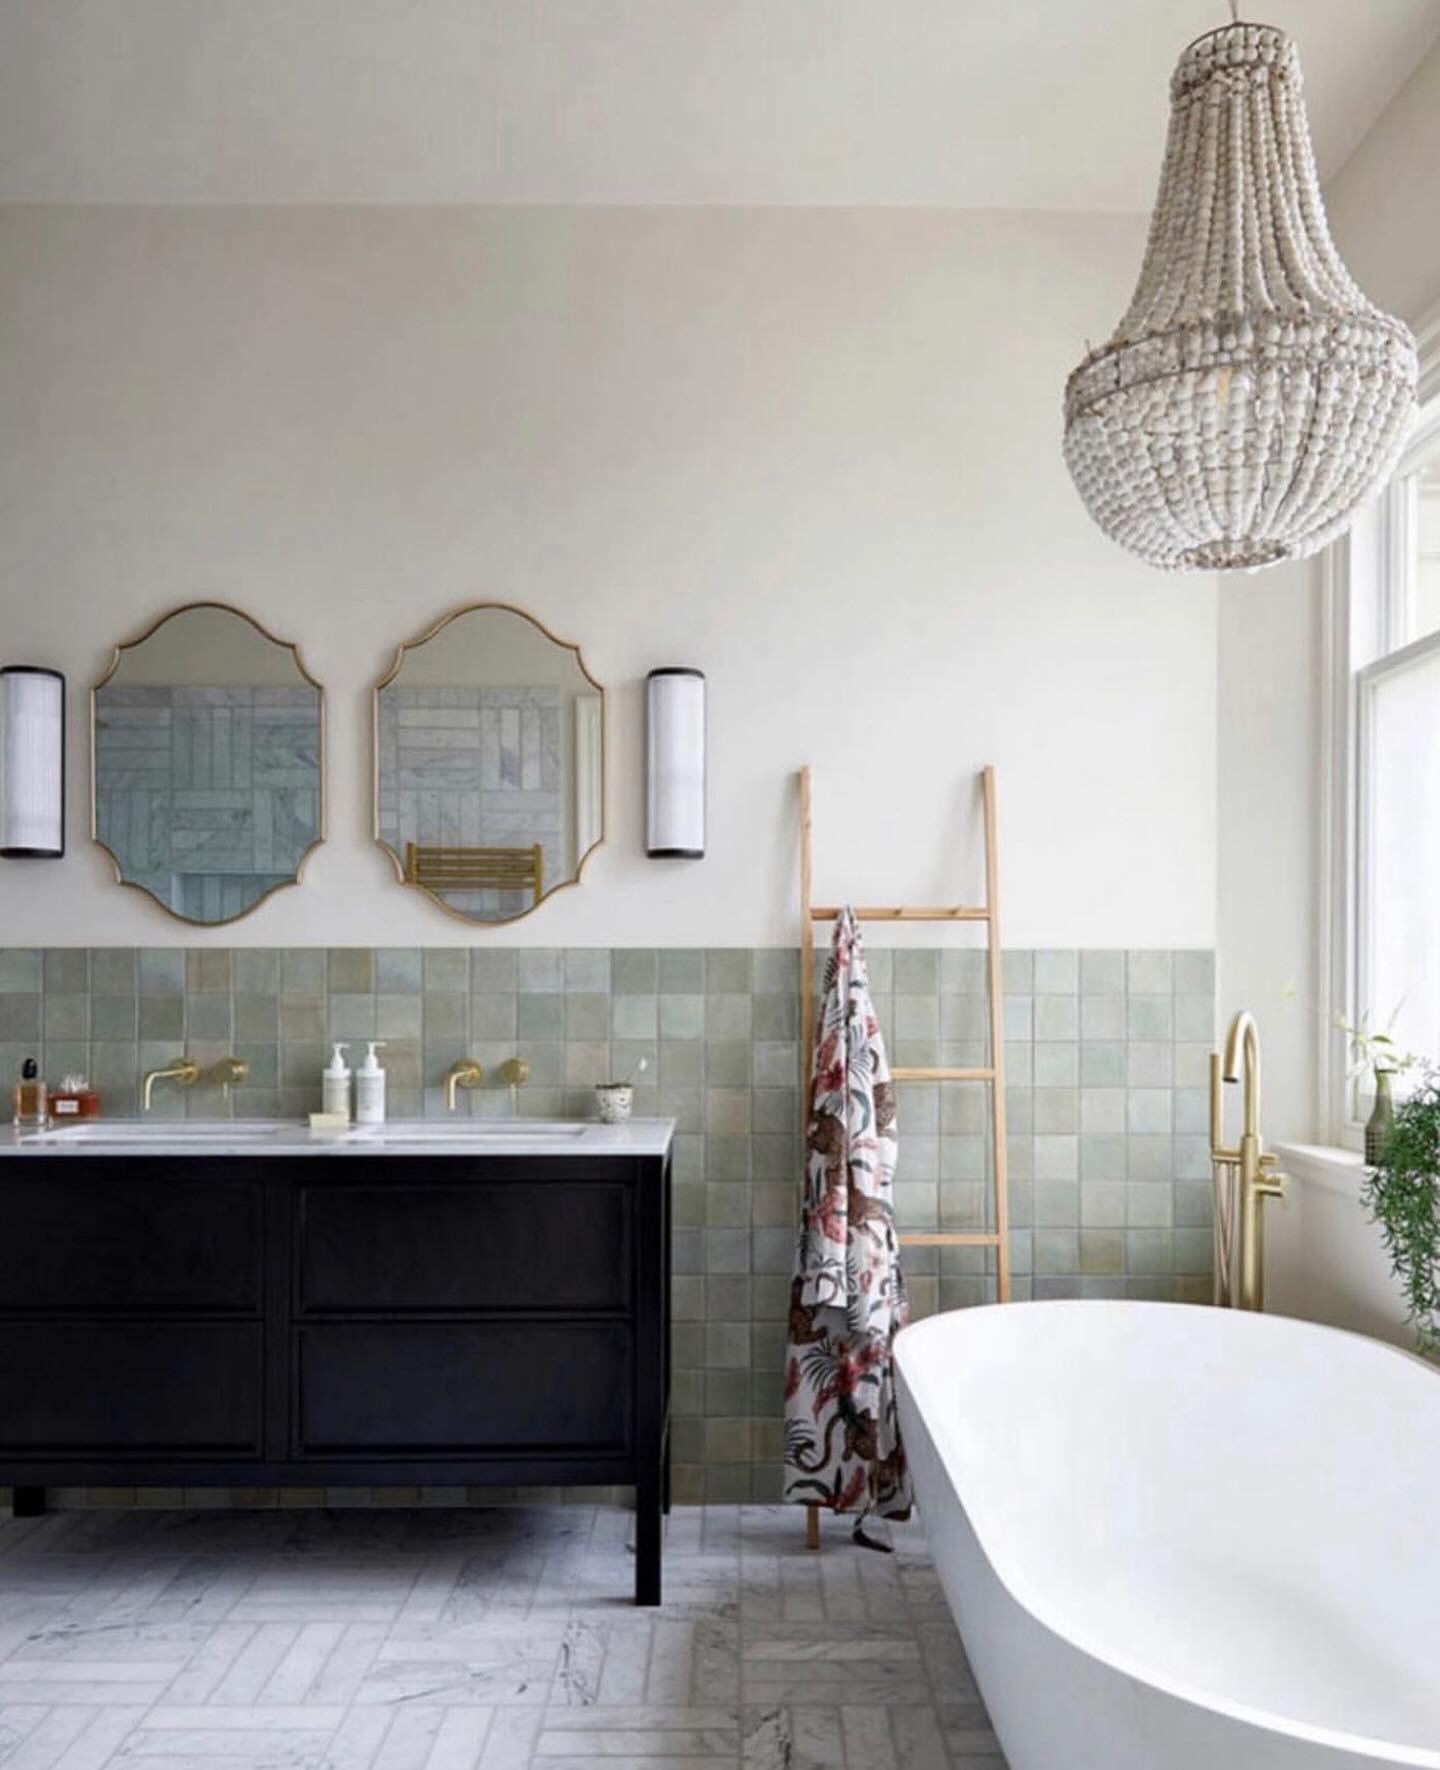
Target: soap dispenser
[(336, 1077), (370, 1088)]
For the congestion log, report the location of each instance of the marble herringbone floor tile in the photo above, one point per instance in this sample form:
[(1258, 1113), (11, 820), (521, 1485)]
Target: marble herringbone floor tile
[(473, 1640)]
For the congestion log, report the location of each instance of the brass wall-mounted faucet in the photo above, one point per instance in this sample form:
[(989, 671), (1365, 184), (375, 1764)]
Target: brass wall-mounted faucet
[(184, 1071), (467, 1073), (1246, 1169)]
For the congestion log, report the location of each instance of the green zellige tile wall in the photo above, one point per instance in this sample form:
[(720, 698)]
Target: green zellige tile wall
[(1105, 1055)]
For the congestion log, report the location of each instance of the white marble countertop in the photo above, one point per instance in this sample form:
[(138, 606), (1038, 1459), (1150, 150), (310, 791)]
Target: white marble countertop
[(409, 1137)]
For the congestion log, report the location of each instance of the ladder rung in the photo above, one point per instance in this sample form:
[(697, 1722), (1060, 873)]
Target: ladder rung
[(902, 913), (909, 1074), (990, 1240)]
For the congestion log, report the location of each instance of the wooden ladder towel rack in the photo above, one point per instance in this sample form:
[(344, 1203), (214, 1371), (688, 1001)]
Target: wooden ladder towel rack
[(992, 1073)]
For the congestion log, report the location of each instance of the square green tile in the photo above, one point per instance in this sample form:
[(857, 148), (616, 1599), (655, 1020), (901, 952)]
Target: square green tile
[(22, 970), (20, 1018), (492, 971), (114, 971), (917, 971), (114, 1017), (66, 1016), (67, 970), (634, 971), (540, 970), (208, 970), (399, 1014), (682, 972), (350, 1015), (634, 1017), (445, 970), (302, 971), (727, 971), (681, 1017), (257, 1017), (301, 1019), (588, 970), (399, 970), (728, 1016), (256, 971), (775, 971), (727, 1063), (446, 1016)]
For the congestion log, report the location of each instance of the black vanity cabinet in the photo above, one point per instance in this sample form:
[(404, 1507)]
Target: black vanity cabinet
[(322, 1320)]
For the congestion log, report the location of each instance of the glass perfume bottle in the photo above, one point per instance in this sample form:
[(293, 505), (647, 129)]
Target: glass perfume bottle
[(31, 1105)]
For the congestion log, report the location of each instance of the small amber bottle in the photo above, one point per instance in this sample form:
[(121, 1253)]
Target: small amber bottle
[(31, 1105)]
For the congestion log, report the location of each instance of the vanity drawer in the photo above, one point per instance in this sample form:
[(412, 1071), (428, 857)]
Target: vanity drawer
[(424, 1247), (455, 1388), (90, 1243), (130, 1387)]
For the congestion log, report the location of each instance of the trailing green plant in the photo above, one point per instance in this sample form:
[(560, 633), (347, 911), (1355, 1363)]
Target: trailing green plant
[(1402, 1193)]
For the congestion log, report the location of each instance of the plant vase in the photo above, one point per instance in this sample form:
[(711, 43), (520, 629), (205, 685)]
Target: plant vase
[(1381, 1121)]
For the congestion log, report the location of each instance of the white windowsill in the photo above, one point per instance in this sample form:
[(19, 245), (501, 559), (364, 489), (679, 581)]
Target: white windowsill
[(1318, 1164)]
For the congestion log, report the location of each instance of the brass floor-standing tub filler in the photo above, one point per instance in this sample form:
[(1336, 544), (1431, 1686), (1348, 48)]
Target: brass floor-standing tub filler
[(1244, 1176)]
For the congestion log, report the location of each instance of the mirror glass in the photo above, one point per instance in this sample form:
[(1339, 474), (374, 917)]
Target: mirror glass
[(207, 740), (489, 763)]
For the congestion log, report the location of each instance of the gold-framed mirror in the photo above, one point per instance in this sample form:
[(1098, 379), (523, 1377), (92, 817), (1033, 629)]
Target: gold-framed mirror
[(207, 763), (489, 737)]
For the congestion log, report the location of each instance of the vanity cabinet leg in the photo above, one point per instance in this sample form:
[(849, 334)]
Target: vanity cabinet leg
[(649, 1497), (665, 1478), (28, 1502)]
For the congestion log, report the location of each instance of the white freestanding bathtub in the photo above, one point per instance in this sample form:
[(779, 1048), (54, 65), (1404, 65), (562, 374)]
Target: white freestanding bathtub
[(1178, 1538)]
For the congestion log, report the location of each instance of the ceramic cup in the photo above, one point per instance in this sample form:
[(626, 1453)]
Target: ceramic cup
[(615, 1101)]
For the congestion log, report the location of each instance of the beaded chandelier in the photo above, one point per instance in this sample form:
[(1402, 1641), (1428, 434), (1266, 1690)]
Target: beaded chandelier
[(1251, 398)]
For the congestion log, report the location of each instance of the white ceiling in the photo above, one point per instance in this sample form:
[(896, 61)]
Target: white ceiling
[(976, 103)]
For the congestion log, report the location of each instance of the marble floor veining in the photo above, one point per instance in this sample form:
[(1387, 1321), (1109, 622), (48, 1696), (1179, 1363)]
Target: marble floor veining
[(497, 1639)]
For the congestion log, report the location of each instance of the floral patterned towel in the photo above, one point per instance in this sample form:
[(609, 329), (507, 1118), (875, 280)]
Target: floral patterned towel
[(847, 1301)]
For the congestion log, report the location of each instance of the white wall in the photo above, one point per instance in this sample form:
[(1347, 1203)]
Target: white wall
[(1325, 1258), (1268, 843), (1383, 212), (815, 453), (1383, 205)]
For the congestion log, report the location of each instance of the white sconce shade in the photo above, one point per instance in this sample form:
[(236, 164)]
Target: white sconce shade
[(32, 763), (675, 764)]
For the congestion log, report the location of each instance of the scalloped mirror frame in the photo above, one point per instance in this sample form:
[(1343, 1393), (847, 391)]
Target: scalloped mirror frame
[(117, 657), (409, 645)]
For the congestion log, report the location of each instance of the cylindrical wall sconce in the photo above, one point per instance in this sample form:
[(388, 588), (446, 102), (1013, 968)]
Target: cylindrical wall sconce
[(675, 764), (32, 763)]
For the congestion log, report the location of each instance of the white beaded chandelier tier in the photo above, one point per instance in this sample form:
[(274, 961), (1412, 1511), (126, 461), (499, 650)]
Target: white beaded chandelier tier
[(1251, 398)]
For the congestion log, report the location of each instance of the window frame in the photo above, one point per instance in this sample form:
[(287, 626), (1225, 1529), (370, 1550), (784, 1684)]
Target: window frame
[(1365, 582)]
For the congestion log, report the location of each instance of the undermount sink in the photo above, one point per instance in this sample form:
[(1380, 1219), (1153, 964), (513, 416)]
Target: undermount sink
[(158, 1131), (253, 1133), (469, 1131)]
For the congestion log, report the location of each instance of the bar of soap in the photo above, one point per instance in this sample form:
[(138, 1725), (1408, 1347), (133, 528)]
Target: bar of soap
[(329, 1121)]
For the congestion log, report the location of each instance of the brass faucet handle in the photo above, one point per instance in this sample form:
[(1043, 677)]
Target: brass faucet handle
[(230, 1072), (515, 1072)]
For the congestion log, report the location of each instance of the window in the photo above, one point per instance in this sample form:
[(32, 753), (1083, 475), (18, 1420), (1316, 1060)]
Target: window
[(1385, 601)]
